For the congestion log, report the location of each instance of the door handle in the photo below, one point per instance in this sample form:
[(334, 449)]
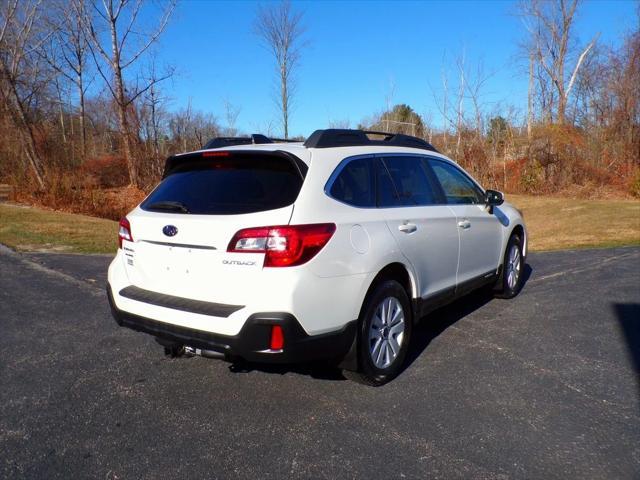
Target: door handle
[(408, 228), (464, 224)]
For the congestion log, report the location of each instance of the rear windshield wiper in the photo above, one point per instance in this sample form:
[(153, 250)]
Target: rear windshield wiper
[(170, 206)]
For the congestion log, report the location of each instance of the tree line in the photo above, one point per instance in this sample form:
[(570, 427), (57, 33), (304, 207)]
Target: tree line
[(82, 97), (581, 126)]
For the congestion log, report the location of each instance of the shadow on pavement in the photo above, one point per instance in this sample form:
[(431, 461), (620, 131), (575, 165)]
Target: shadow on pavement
[(424, 332), (317, 371), (439, 320), (526, 274), (628, 315)]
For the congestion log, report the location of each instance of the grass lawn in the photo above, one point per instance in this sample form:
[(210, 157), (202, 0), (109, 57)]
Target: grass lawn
[(559, 223), (553, 223), (32, 229)]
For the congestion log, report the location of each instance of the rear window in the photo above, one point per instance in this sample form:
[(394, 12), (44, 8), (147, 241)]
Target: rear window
[(227, 186)]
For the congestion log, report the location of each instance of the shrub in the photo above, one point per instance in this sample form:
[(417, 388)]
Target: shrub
[(634, 188), (531, 179), (108, 171)]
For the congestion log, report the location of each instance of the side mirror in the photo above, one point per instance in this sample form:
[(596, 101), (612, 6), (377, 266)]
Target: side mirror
[(493, 198)]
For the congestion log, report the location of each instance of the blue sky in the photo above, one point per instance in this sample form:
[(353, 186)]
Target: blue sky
[(356, 51)]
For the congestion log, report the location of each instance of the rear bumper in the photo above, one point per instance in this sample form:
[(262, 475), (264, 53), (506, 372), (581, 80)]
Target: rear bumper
[(252, 342)]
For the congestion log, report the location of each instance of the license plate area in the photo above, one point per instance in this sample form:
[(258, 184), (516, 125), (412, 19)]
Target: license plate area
[(196, 273), (174, 267)]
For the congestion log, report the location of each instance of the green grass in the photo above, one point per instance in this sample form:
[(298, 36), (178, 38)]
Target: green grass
[(553, 223), (33, 229)]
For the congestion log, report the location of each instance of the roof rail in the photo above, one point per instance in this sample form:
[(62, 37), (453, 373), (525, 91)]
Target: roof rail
[(285, 140), (334, 137), (219, 142)]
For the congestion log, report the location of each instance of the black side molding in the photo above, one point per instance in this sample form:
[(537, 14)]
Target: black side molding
[(477, 282), (179, 303), (424, 306)]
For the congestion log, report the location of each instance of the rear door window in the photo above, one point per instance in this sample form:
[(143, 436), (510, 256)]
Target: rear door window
[(227, 186), (355, 184), (402, 181)]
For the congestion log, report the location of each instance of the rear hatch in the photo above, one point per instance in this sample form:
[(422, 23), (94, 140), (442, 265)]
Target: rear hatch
[(182, 230)]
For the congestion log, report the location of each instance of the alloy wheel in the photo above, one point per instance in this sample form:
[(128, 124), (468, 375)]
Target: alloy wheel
[(514, 266), (387, 332)]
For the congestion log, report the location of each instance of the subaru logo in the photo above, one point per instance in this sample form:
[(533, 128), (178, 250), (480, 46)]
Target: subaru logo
[(170, 230)]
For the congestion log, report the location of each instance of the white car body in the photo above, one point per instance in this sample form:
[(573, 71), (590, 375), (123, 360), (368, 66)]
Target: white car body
[(442, 248)]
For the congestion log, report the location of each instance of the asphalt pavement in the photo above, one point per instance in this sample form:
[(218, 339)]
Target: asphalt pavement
[(546, 385)]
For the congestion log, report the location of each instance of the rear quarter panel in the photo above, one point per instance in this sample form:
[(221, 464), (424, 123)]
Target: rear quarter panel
[(362, 243)]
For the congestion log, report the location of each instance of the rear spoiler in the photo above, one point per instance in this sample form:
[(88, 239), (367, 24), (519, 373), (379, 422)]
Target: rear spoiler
[(176, 161)]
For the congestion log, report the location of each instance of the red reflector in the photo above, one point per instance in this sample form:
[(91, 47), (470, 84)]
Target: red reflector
[(216, 154), (277, 338)]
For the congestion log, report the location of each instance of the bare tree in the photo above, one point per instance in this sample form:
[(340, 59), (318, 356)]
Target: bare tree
[(427, 117), (190, 129), (460, 112), (60, 95), (550, 27), (281, 30), (120, 49), (608, 103), (389, 102), (74, 51), (231, 113), (153, 101), (445, 109), (21, 73), (530, 98), (475, 84), (443, 104), (267, 127), (66, 53), (344, 123)]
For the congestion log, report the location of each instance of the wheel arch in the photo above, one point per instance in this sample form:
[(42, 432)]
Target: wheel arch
[(521, 232), (399, 272), (395, 271)]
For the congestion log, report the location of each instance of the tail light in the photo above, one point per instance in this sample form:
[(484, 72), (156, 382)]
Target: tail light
[(283, 246), (124, 231)]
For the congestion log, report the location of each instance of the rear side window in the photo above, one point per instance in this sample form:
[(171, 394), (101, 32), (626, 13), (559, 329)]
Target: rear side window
[(457, 187), (355, 185), (402, 181), (227, 186)]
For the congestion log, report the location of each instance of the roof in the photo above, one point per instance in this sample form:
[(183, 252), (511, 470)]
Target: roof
[(329, 142), (327, 138)]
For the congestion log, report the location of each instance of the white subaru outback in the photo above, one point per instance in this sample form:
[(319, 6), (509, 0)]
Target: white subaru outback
[(328, 250)]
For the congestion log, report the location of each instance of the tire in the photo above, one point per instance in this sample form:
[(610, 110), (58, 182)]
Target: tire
[(510, 281), (383, 338)]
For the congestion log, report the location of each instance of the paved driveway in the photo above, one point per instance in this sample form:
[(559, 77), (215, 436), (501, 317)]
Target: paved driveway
[(542, 386)]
